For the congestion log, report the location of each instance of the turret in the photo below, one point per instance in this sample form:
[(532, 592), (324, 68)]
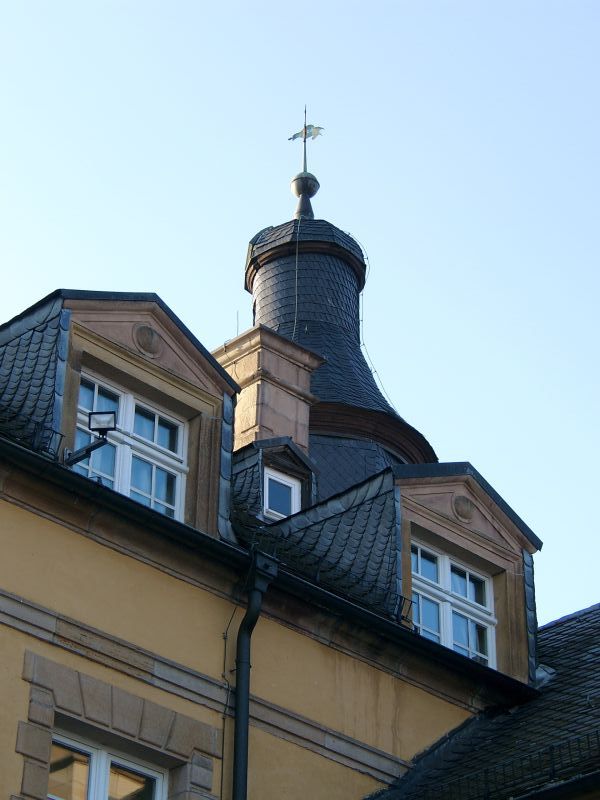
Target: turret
[(305, 277)]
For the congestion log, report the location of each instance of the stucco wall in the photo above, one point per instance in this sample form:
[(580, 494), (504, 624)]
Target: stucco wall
[(325, 721)]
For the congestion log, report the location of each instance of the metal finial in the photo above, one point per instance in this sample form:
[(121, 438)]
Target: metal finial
[(305, 185)]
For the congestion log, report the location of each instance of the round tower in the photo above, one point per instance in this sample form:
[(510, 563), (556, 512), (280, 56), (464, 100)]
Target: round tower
[(305, 277)]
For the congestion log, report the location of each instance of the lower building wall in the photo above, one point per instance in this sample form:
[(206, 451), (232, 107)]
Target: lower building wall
[(134, 639), (295, 773)]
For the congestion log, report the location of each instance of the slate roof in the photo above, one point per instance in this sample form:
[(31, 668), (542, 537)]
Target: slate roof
[(317, 306), (342, 462), (246, 483), (347, 543), (551, 741), (33, 352), (306, 277), (305, 230)]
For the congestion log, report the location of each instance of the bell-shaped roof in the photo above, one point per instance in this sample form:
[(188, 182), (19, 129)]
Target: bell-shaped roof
[(305, 277)]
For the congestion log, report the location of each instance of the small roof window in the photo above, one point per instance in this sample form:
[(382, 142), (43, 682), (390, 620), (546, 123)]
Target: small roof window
[(281, 494)]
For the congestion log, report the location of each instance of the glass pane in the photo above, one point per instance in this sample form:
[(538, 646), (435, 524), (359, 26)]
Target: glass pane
[(167, 435), (478, 634), (164, 486), (69, 772), (416, 609), (103, 460), (435, 637), (143, 424), (168, 512), (459, 581), (141, 498), (86, 395), (477, 590), (429, 566), (460, 631), (141, 475), (106, 401), (280, 497), (430, 614), (127, 785), (103, 480), (81, 439), (414, 559)]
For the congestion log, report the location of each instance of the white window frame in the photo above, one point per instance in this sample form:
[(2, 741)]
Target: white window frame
[(287, 480), (129, 444), (440, 592), (99, 768)]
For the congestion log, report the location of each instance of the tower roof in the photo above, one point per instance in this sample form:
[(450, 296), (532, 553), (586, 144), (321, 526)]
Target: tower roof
[(305, 277)]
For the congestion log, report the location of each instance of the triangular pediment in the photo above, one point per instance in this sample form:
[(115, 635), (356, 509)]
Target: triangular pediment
[(144, 330), (461, 504)]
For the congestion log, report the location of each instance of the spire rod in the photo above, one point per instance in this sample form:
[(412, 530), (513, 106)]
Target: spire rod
[(305, 185), (304, 139)]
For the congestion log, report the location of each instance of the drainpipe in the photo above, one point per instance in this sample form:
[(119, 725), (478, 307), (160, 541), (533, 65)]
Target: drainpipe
[(262, 571)]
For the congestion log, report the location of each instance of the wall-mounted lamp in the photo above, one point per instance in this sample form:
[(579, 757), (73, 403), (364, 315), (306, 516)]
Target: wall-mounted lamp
[(100, 423)]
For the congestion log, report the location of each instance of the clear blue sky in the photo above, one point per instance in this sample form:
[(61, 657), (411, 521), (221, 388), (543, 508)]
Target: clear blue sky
[(143, 143)]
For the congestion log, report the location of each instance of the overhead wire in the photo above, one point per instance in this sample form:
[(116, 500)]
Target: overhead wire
[(363, 345)]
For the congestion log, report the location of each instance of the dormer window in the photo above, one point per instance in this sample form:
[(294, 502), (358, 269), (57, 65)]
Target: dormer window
[(452, 604), (145, 455), (281, 494)]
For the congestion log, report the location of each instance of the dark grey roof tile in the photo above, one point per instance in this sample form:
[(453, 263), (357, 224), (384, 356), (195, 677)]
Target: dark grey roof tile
[(344, 462), (32, 358), (346, 543)]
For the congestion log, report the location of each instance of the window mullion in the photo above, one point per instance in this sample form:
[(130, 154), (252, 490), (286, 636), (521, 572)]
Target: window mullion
[(124, 468), (128, 413), (98, 788)]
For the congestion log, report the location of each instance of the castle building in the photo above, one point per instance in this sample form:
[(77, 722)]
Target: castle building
[(243, 574)]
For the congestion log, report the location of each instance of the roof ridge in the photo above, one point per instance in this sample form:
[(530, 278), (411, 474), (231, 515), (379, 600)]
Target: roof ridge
[(568, 617)]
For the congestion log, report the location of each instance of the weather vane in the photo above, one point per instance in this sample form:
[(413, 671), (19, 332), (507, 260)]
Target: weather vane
[(308, 130)]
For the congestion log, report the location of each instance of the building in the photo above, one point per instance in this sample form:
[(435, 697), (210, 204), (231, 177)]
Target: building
[(266, 500)]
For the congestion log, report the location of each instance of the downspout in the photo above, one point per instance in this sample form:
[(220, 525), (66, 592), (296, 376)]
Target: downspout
[(262, 571)]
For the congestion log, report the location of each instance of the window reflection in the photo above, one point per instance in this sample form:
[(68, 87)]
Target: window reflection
[(69, 773), (127, 785), (280, 497)]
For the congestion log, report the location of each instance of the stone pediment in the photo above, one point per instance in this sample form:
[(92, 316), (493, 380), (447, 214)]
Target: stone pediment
[(143, 329), (466, 506)]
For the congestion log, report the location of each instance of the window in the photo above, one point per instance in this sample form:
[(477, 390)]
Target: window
[(80, 771), (281, 494), (145, 455), (452, 604)]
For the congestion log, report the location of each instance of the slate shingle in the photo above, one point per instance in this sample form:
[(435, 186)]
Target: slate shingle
[(306, 277), (32, 359), (343, 462), (347, 543)]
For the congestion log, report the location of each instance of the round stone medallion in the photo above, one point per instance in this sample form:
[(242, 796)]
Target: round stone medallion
[(463, 507), (147, 340)]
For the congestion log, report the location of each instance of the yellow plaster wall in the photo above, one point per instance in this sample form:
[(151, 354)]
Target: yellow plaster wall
[(75, 576), (67, 572), (293, 773), (347, 694)]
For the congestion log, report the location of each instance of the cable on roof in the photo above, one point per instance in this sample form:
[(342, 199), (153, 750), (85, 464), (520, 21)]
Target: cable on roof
[(296, 280)]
